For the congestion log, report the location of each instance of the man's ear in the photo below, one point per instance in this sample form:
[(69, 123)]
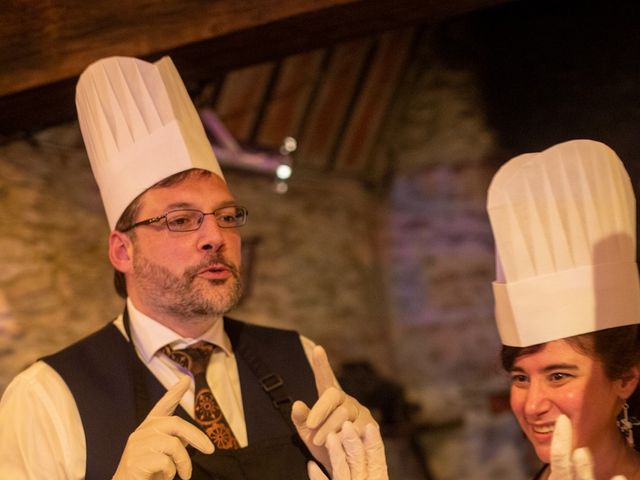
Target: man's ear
[(628, 383), (120, 251)]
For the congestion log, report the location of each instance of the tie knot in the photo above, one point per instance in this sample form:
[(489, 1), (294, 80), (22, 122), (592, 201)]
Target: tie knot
[(194, 358)]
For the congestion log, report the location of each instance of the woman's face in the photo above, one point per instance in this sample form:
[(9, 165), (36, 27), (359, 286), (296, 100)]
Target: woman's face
[(558, 379)]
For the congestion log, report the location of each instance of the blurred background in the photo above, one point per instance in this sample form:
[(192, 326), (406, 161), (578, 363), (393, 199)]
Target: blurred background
[(362, 136)]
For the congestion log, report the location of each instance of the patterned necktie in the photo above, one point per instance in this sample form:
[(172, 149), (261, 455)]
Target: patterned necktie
[(207, 411)]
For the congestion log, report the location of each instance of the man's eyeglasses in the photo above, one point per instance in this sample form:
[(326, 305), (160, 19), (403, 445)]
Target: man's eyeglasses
[(188, 219)]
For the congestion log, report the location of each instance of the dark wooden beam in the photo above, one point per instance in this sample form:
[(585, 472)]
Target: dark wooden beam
[(45, 45), (45, 42)]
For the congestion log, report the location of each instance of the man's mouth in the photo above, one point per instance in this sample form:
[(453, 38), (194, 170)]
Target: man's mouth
[(216, 271), (214, 268)]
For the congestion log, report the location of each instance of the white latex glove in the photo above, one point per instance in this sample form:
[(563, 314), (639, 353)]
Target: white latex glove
[(565, 463), (328, 414), (353, 457), (156, 449)]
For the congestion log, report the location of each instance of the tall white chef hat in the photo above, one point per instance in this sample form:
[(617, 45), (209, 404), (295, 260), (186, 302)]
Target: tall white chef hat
[(139, 127), (564, 224)]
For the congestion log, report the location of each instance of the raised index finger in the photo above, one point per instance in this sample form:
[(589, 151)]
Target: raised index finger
[(322, 370), (583, 464), (561, 445), (374, 448), (175, 426), (170, 400)]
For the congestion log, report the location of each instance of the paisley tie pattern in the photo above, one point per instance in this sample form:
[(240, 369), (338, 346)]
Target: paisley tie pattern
[(207, 411)]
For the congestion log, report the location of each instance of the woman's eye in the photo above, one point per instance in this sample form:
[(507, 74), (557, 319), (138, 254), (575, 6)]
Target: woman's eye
[(559, 376), (519, 379)]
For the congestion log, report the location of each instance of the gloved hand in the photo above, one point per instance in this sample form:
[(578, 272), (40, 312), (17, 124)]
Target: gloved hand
[(565, 463), (353, 458), (156, 449), (328, 414)]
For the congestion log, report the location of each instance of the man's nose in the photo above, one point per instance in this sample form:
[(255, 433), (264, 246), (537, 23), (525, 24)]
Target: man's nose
[(211, 237)]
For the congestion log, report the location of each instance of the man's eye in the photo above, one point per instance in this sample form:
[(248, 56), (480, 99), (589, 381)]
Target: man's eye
[(519, 380), (181, 221)]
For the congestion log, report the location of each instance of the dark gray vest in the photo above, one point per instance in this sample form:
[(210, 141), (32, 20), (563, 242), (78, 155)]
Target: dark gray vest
[(114, 391)]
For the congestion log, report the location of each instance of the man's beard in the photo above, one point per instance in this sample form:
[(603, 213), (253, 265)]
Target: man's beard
[(180, 295)]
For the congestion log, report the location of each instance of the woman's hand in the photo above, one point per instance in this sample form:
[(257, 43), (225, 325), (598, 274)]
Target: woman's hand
[(568, 464), (353, 457)]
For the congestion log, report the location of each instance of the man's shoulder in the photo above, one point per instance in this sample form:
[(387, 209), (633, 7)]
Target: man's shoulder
[(96, 368), (37, 377), (238, 331), (101, 343), (229, 321)]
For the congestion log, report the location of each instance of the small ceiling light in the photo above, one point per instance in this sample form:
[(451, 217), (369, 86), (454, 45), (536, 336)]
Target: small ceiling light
[(283, 172), (289, 144), (281, 187)]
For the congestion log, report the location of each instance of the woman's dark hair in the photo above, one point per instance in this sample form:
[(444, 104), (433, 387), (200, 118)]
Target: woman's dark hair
[(617, 348), (128, 217)]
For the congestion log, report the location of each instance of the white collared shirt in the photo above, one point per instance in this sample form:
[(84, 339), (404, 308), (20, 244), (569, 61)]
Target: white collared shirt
[(41, 433)]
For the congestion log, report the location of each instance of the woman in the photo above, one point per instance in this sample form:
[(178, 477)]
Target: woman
[(588, 378), (567, 307), (567, 301)]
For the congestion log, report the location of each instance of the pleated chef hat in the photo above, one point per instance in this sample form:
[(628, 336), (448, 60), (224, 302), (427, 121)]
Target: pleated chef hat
[(564, 224), (139, 127)]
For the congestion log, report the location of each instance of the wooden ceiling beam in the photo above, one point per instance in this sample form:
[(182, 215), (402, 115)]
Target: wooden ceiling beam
[(45, 42), (45, 45)]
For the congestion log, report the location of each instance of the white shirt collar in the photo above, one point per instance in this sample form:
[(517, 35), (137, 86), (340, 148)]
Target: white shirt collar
[(150, 336)]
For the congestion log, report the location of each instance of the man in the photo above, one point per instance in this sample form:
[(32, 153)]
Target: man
[(171, 386)]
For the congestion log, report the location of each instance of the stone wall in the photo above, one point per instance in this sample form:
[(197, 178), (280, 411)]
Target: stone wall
[(439, 263), (55, 279)]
